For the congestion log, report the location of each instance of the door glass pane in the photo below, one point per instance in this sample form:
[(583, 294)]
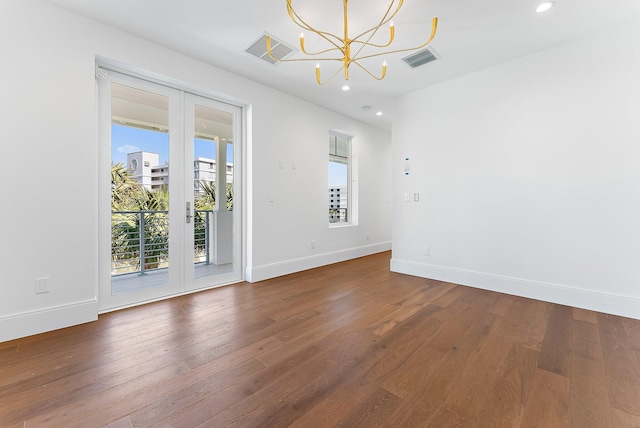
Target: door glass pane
[(213, 192), (139, 189)]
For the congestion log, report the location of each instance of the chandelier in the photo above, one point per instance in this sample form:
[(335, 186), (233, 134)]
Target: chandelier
[(349, 48)]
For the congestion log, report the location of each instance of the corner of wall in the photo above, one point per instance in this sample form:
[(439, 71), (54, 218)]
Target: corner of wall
[(264, 272), (625, 306)]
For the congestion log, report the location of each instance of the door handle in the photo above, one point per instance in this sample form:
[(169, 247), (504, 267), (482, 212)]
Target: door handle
[(189, 216)]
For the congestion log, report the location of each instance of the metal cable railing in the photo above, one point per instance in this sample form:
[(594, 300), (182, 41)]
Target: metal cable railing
[(201, 233), (337, 215), (140, 240)]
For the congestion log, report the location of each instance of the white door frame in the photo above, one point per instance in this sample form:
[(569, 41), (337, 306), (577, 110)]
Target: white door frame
[(190, 100), (181, 278)]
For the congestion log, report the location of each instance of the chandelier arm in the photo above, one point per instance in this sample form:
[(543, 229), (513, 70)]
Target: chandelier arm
[(306, 59), (374, 45), (293, 15), (384, 70), (330, 78), (383, 21), (321, 52), (434, 27), (324, 34), (303, 24), (270, 53), (375, 29), (366, 43)]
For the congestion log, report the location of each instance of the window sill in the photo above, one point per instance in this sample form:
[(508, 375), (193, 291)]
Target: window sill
[(340, 225)]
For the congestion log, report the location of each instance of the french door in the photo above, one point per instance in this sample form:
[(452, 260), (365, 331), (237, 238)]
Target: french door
[(170, 180)]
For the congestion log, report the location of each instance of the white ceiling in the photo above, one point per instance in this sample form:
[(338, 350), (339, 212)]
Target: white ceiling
[(472, 35)]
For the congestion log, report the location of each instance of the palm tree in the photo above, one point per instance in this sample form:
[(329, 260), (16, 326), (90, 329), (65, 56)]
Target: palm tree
[(124, 187), (156, 225), (204, 202), (133, 205), (206, 197), (229, 196)]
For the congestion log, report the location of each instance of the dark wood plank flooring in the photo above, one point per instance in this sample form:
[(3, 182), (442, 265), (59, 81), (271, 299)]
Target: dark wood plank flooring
[(349, 345)]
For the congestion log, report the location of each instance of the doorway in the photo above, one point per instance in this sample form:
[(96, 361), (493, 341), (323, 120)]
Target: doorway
[(171, 191)]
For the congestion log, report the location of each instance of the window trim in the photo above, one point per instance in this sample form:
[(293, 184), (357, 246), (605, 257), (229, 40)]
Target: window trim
[(352, 200)]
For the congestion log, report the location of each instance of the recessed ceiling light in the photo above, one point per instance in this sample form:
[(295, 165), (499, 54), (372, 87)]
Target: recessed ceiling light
[(366, 108), (345, 88), (543, 7), (379, 113)]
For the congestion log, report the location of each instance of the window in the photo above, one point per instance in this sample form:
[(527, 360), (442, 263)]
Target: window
[(339, 179)]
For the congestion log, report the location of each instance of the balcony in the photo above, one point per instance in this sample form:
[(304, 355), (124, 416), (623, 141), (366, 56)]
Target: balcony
[(140, 241), (337, 215)]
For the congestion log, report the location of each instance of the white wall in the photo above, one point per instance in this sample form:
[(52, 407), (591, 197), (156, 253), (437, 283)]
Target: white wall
[(529, 176), (49, 120)]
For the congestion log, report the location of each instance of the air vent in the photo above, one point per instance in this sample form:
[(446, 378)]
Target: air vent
[(420, 58), (278, 49)]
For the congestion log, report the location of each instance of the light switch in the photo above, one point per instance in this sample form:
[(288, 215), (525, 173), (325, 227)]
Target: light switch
[(407, 197), (416, 197)]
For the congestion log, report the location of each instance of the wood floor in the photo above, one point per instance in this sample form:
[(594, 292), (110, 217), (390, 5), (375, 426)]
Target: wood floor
[(349, 345)]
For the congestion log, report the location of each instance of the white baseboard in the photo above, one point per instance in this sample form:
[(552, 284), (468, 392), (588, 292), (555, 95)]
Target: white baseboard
[(261, 273), (614, 304), (43, 320)]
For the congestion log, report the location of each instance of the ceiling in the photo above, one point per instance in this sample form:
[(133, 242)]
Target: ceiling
[(472, 35)]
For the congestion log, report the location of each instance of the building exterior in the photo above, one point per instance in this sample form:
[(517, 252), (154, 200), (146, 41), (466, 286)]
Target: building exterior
[(141, 165), (159, 176), (338, 209), (146, 169), (204, 170)]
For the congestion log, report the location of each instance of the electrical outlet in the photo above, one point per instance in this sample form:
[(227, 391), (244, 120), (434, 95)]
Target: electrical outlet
[(42, 285), (313, 244), (367, 236), (427, 250)]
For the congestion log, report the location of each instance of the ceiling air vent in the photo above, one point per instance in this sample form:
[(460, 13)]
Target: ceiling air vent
[(278, 49), (421, 57)]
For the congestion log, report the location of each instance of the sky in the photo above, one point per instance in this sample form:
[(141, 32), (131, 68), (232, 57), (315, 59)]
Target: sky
[(337, 174), (126, 139)]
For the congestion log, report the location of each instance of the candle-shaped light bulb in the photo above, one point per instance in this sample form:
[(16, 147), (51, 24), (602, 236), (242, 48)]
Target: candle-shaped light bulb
[(318, 73), (302, 42)]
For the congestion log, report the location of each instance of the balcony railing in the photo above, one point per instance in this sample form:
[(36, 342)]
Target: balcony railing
[(140, 240), (337, 215)]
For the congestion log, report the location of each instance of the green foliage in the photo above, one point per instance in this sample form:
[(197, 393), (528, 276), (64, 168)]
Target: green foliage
[(132, 204), (124, 188), (229, 197), (206, 198), (130, 201)]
